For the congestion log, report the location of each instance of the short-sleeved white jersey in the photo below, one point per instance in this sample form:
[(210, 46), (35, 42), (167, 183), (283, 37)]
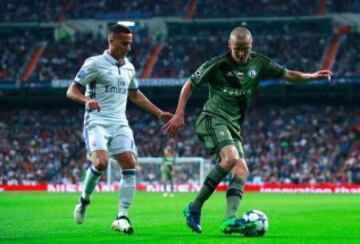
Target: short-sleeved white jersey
[(108, 82)]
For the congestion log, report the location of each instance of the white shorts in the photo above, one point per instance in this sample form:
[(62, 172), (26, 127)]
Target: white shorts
[(114, 139)]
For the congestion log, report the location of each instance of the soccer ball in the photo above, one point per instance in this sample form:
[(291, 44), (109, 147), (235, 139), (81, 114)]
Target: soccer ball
[(259, 219)]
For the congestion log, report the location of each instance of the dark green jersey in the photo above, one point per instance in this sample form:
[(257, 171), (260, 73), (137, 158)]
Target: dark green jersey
[(232, 85), (168, 163)]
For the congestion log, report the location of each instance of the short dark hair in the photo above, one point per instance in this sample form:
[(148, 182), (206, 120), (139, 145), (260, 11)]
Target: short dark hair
[(117, 28)]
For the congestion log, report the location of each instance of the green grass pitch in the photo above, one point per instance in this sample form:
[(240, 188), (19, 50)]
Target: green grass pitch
[(294, 218)]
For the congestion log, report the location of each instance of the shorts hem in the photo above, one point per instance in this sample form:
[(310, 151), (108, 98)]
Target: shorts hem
[(222, 144), (122, 151)]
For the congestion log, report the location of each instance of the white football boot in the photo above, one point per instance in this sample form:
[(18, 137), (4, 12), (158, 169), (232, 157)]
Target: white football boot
[(122, 224), (80, 210)]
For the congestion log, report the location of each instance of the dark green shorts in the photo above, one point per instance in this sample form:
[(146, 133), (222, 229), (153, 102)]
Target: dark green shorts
[(166, 176), (216, 134)]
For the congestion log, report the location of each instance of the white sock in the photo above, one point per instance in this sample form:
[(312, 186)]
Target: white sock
[(91, 179), (127, 191)]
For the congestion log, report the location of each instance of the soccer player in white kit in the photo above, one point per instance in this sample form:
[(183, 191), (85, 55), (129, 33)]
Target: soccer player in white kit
[(109, 80)]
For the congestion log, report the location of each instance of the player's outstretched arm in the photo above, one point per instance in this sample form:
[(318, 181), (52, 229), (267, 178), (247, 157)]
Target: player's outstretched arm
[(178, 120), (142, 101), (297, 77), (74, 93)]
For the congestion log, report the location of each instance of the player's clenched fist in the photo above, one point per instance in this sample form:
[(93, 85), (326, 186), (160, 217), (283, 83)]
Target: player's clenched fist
[(92, 104)]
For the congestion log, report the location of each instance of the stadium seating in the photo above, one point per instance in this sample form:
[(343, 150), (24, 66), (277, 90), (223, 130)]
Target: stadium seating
[(300, 45), (220, 9), (13, 51), (42, 11), (23, 10), (295, 144), (312, 144), (62, 59), (301, 50), (348, 6), (137, 9), (348, 60), (57, 10)]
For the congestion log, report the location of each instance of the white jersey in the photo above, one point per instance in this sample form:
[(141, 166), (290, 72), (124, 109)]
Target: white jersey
[(108, 82)]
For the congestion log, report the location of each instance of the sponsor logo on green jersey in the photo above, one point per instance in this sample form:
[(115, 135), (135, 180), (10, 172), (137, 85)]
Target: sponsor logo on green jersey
[(236, 92)]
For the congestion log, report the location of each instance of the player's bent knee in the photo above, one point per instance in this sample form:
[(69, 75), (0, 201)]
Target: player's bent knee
[(240, 170), (128, 164), (243, 173), (126, 160), (100, 164), (229, 163), (100, 160)]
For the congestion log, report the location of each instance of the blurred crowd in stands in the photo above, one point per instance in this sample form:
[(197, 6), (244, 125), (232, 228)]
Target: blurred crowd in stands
[(134, 9), (245, 8), (13, 49), (296, 144), (55, 10), (23, 10), (303, 144), (293, 45), (348, 58), (62, 58), (300, 45), (60, 62), (178, 58), (336, 6)]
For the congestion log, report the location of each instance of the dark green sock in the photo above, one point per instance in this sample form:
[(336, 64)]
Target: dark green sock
[(233, 196), (212, 180)]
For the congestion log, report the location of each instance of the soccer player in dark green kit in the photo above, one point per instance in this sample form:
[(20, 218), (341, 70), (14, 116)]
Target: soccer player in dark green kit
[(232, 79), (168, 171)]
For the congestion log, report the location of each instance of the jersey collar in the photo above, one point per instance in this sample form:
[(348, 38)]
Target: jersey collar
[(113, 61), (233, 62)]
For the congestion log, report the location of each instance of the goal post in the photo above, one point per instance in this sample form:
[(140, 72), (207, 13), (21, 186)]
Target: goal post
[(188, 170)]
